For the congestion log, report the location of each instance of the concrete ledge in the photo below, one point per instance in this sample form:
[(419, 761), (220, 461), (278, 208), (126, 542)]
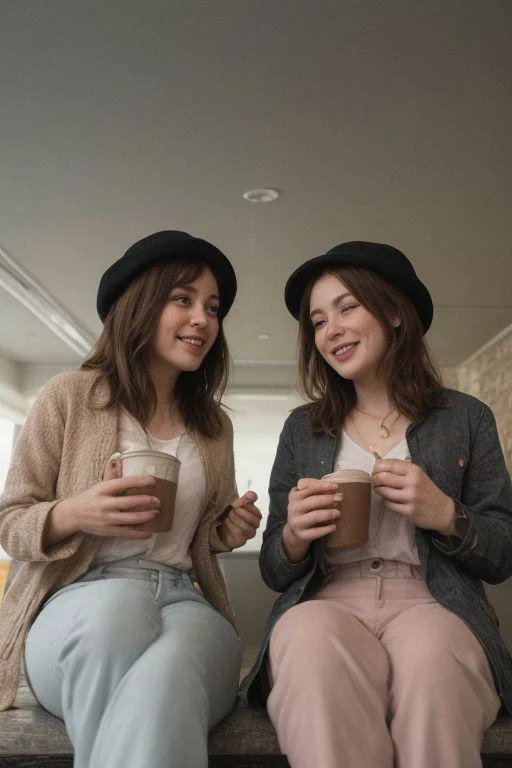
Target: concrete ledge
[(29, 736)]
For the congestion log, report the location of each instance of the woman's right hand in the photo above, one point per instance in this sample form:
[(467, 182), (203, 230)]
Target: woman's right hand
[(311, 515), (103, 510)]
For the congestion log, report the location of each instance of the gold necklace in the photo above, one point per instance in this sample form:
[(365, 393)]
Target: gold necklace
[(369, 445), (385, 431)]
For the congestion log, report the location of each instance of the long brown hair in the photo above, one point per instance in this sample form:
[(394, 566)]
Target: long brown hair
[(407, 368), (121, 352)]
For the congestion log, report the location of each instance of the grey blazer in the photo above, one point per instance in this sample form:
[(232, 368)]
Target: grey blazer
[(457, 446)]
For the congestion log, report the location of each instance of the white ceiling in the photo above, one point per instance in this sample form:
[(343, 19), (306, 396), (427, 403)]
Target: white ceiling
[(387, 121)]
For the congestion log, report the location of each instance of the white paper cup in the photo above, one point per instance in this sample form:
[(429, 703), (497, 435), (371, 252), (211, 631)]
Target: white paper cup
[(165, 469), (352, 527)]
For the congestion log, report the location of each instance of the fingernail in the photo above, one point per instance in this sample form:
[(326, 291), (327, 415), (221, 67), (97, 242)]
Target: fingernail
[(338, 497)]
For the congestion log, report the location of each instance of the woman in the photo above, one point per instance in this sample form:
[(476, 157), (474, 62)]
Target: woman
[(387, 654), (135, 648)]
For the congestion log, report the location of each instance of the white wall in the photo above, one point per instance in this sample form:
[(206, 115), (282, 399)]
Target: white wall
[(257, 421)]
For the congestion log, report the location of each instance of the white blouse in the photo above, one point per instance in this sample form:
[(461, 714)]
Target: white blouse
[(171, 547), (391, 536)]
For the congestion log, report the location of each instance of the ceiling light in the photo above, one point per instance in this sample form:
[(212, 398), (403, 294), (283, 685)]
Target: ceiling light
[(262, 195), (21, 286)]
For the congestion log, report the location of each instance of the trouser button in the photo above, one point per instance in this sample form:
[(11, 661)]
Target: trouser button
[(375, 565)]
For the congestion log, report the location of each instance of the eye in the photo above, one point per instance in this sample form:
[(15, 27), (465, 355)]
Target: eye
[(213, 309), (348, 308), (318, 324), (180, 299)]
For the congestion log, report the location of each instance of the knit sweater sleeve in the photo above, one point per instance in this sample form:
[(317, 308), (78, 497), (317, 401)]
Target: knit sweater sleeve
[(30, 488), (230, 492)]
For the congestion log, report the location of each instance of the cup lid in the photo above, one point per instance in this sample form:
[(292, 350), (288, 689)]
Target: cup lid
[(149, 453), (348, 476)]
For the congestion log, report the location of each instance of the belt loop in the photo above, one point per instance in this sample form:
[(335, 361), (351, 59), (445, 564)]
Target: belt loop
[(378, 590)]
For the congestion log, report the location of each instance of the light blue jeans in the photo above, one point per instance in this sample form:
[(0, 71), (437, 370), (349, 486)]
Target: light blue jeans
[(138, 665)]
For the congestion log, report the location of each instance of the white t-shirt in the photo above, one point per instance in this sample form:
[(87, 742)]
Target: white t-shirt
[(171, 547), (391, 536)]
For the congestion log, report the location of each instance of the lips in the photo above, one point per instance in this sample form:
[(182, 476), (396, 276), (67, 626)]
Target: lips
[(344, 349), (193, 341)]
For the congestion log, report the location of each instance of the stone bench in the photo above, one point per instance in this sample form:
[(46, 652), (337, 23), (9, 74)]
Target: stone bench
[(32, 738)]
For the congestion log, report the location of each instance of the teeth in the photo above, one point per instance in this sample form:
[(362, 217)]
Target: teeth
[(195, 342), (344, 349)]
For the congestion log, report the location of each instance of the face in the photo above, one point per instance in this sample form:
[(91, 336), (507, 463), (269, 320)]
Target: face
[(188, 326), (347, 335)]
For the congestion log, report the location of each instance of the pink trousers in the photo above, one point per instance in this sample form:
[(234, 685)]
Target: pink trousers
[(373, 673)]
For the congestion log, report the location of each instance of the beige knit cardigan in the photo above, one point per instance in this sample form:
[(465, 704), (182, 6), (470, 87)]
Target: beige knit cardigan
[(62, 450)]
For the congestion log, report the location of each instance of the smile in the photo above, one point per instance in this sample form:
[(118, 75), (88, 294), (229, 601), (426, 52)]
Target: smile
[(191, 340), (344, 349)]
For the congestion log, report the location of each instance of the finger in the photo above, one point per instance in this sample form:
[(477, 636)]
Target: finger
[(316, 502), (313, 485), (312, 534), (392, 494), (249, 497), (235, 525), (113, 467), (252, 517), (388, 479), (123, 519), (316, 518), (396, 466), (249, 514), (132, 501), (124, 483)]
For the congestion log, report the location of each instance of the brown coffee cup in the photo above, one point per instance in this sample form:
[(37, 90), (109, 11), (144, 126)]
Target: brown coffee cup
[(352, 526), (165, 469)]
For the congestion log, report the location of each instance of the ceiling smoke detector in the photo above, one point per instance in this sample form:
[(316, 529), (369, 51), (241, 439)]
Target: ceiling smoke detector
[(262, 195)]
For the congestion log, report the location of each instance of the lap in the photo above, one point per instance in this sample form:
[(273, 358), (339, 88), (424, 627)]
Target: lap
[(118, 622), (414, 634), (430, 638)]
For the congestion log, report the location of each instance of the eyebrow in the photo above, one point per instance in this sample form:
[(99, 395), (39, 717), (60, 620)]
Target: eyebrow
[(334, 303)]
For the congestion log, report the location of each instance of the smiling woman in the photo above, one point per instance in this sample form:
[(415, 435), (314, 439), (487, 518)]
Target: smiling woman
[(146, 605), (403, 637)]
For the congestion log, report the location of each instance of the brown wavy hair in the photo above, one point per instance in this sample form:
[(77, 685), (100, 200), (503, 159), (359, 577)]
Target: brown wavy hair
[(407, 369), (121, 352)]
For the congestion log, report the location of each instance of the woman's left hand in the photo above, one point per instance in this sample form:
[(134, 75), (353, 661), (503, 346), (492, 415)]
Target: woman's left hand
[(242, 521), (406, 489)]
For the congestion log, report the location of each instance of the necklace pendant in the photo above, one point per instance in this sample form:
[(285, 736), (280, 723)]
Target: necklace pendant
[(384, 432)]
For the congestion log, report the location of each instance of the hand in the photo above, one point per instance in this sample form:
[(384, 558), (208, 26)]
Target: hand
[(103, 510), (406, 489), (242, 521), (311, 515)]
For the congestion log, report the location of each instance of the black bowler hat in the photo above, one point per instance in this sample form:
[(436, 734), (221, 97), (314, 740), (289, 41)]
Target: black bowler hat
[(387, 262), (165, 246)]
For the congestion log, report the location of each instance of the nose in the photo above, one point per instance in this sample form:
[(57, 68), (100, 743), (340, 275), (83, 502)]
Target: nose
[(335, 328), (198, 316)]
